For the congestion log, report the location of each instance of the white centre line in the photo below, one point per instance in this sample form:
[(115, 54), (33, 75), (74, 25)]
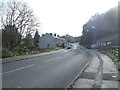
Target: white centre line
[(114, 76), (65, 50), (56, 58), (79, 55), (75, 47), (17, 69), (52, 59)]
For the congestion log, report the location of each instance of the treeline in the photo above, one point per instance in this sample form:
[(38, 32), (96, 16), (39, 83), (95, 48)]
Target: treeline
[(18, 24), (100, 25), (71, 39)]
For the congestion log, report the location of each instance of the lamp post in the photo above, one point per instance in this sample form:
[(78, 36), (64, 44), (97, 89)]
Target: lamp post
[(93, 28)]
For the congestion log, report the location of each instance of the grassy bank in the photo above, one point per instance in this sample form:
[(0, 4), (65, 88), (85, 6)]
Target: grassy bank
[(118, 66), (114, 57), (6, 53)]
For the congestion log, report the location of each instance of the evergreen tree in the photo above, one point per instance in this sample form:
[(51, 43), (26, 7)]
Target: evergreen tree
[(29, 41), (36, 39), (55, 34)]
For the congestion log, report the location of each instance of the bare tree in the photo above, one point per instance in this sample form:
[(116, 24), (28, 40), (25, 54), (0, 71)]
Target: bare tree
[(19, 15)]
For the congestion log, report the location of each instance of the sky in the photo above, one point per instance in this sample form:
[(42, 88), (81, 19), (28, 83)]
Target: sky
[(67, 16)]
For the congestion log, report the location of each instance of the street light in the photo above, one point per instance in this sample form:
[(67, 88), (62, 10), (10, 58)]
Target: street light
[(93, 28), (87, 30)]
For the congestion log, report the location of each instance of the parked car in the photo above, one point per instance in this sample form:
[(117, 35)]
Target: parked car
[(94, 46)]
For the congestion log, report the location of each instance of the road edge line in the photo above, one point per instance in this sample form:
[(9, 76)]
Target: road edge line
[(73, 81), (99, 74)]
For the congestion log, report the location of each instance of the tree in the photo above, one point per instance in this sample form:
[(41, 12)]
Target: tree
[(29, 41), (69, 39), (36, 39), (55, 34), (105, 24), (10, 37), (58, 36), (17, 14)]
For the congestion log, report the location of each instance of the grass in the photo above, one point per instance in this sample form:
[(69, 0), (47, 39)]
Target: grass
[(118, 66), (114, 59), (27, 52)]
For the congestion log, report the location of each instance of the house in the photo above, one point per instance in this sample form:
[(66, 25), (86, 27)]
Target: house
[(111, 40), (50, 41)]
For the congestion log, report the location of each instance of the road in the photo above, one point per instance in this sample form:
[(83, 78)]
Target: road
[(56, 70)]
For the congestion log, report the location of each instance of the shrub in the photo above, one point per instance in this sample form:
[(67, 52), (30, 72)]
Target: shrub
[(118, 66), (6, 53)]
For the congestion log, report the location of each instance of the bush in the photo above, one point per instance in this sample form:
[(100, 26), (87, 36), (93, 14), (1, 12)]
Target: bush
[(118, 66), (6, 53), (24, 51)]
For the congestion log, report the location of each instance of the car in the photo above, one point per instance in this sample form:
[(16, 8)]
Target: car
[(94, 46), (69, 46)]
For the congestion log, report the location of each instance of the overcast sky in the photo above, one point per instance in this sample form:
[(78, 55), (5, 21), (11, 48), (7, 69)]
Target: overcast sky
[(67, 16)]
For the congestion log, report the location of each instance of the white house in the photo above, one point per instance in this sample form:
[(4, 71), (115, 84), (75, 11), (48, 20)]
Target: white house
[(49, 41)]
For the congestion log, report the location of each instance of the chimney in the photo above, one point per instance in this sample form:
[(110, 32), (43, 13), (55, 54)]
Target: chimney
[(51, 34), (43, 34)]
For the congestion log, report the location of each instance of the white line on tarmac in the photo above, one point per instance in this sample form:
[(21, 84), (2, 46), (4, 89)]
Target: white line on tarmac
[(65, 50), (78, 55), (17, 69), (56, 58), (52, 59), (75, 47)]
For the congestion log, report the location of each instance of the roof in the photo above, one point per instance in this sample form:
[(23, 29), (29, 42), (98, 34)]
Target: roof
[(109, 38), (59, 38), (53, 36)]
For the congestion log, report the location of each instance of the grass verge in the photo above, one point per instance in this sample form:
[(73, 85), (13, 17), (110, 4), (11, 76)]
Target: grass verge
[(118, 66), (115, 60), (9, 54)]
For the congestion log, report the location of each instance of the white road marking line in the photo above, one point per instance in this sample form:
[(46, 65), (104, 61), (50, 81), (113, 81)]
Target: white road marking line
[(65, 51), (78, 55), (56, 58), (17, 69), (52, 59), (75, 47), (114, 76)]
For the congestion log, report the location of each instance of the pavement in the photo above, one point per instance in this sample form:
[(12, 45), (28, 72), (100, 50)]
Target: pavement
[(101, 73), (56, 70)]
